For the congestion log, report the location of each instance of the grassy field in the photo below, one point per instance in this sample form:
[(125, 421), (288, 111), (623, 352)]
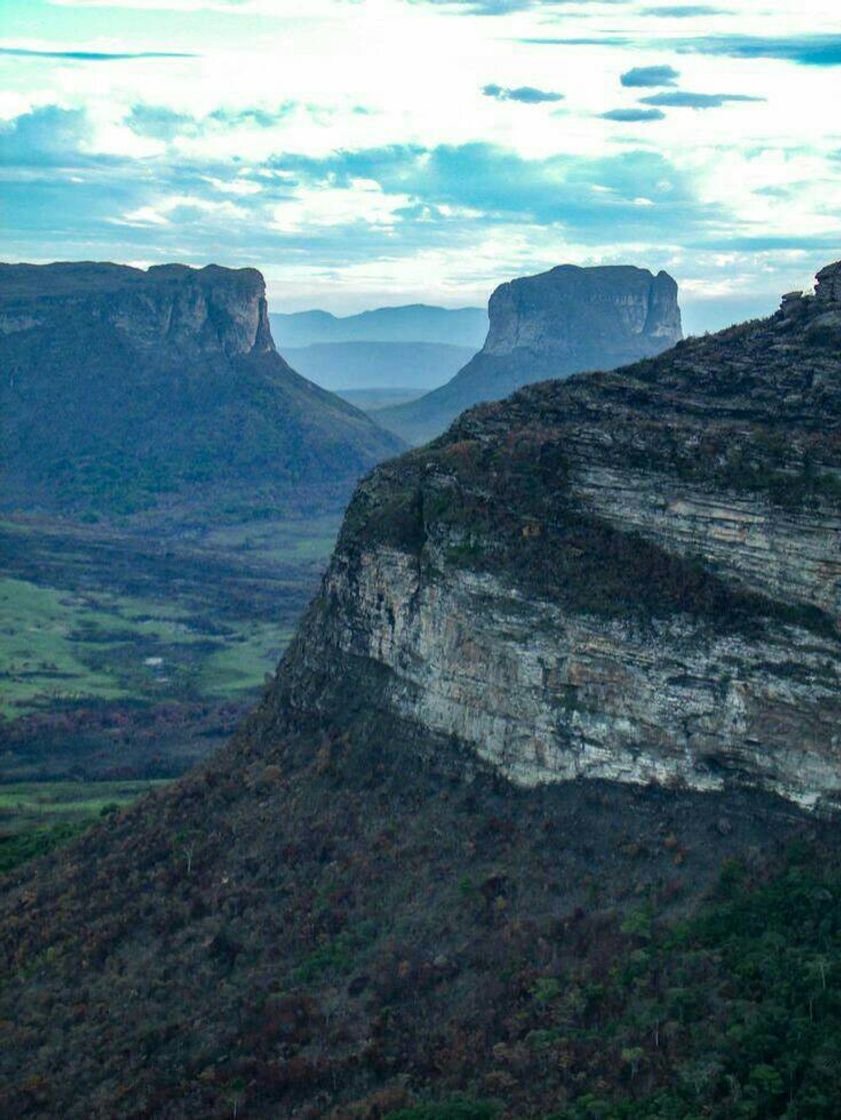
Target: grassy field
[(36, 817), (28, 805), (80, 619), (57, 646), (129, 655)]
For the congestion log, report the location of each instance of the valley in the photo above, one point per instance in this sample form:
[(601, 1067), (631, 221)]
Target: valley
[(112, 622), (126, 658)]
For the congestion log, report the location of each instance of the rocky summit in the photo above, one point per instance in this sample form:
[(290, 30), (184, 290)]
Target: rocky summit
[(126, 390), (552, 325), (538, 815)]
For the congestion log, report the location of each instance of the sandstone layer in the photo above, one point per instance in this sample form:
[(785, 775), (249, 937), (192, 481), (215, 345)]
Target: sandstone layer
[(633, 576)]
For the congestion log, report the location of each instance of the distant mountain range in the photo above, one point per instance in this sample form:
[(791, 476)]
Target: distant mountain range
[(127, 390), (378, 365), (405, 350), (551, 325), (462, 326)]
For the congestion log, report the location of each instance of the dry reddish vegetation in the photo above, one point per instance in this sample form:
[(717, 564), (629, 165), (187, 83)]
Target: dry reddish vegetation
[(318, 926)]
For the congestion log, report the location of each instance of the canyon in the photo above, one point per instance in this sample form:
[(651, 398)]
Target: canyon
[(539, 809)]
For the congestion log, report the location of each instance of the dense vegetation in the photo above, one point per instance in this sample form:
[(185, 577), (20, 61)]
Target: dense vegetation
[(164, 398), (38, 817), (752, 985), (356, 935), (736, 1011)]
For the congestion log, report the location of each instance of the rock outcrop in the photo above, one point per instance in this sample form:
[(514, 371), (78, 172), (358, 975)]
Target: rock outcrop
[(829, 283), (126, 390), (633, 576), (552, 325), (193, 313)]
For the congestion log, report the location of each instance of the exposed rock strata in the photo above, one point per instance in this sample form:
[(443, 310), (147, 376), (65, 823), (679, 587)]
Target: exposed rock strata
[(191, 312), (633, 576)]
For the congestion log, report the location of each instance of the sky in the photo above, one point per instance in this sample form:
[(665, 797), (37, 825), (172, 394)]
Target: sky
[(364, 153)]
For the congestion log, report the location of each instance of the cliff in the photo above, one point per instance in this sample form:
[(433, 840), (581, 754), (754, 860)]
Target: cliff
[(193, 313), (633, 576), (573, 666), (552, 325), (126, 390)]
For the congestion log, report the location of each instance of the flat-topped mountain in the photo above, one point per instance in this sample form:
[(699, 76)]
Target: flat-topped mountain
[(126, 390), (568, 663), (552, 325)]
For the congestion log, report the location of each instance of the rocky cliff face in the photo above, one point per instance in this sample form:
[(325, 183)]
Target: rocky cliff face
[(633, 576), (617, 313), (552, 325), (126, 389), (190, 312)]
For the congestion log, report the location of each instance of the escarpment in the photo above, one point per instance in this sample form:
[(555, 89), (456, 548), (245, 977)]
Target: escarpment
[(633, 576), (552, 325), (126, 390), (384, 891), (204, 312)]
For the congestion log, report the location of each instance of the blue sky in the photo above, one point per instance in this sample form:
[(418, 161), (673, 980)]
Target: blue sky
[(368, 152)]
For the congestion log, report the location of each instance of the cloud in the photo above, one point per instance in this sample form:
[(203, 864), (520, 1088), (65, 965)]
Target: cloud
[(650, 76), (684, 11), (250, 117), (45, 137), (588, 197), (161, 123), (807, 50), (493, 7), (646, 76), (527, 95), (582, 41), (92, 56), (633, 115), (681, 99), (228, 6)]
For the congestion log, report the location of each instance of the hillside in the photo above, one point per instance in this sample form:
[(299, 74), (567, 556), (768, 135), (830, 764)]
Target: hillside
[(127, 390), (540, 807), (461, 326), (552, 325)]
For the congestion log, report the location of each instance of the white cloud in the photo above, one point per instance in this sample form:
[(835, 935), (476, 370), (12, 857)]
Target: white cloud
[(364, 201), (180, 207)]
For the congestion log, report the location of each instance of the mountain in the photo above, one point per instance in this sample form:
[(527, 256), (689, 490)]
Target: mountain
[(370, 399), (126, 390), (378, 365), (462, 326), (539, 809), (552, 325)]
